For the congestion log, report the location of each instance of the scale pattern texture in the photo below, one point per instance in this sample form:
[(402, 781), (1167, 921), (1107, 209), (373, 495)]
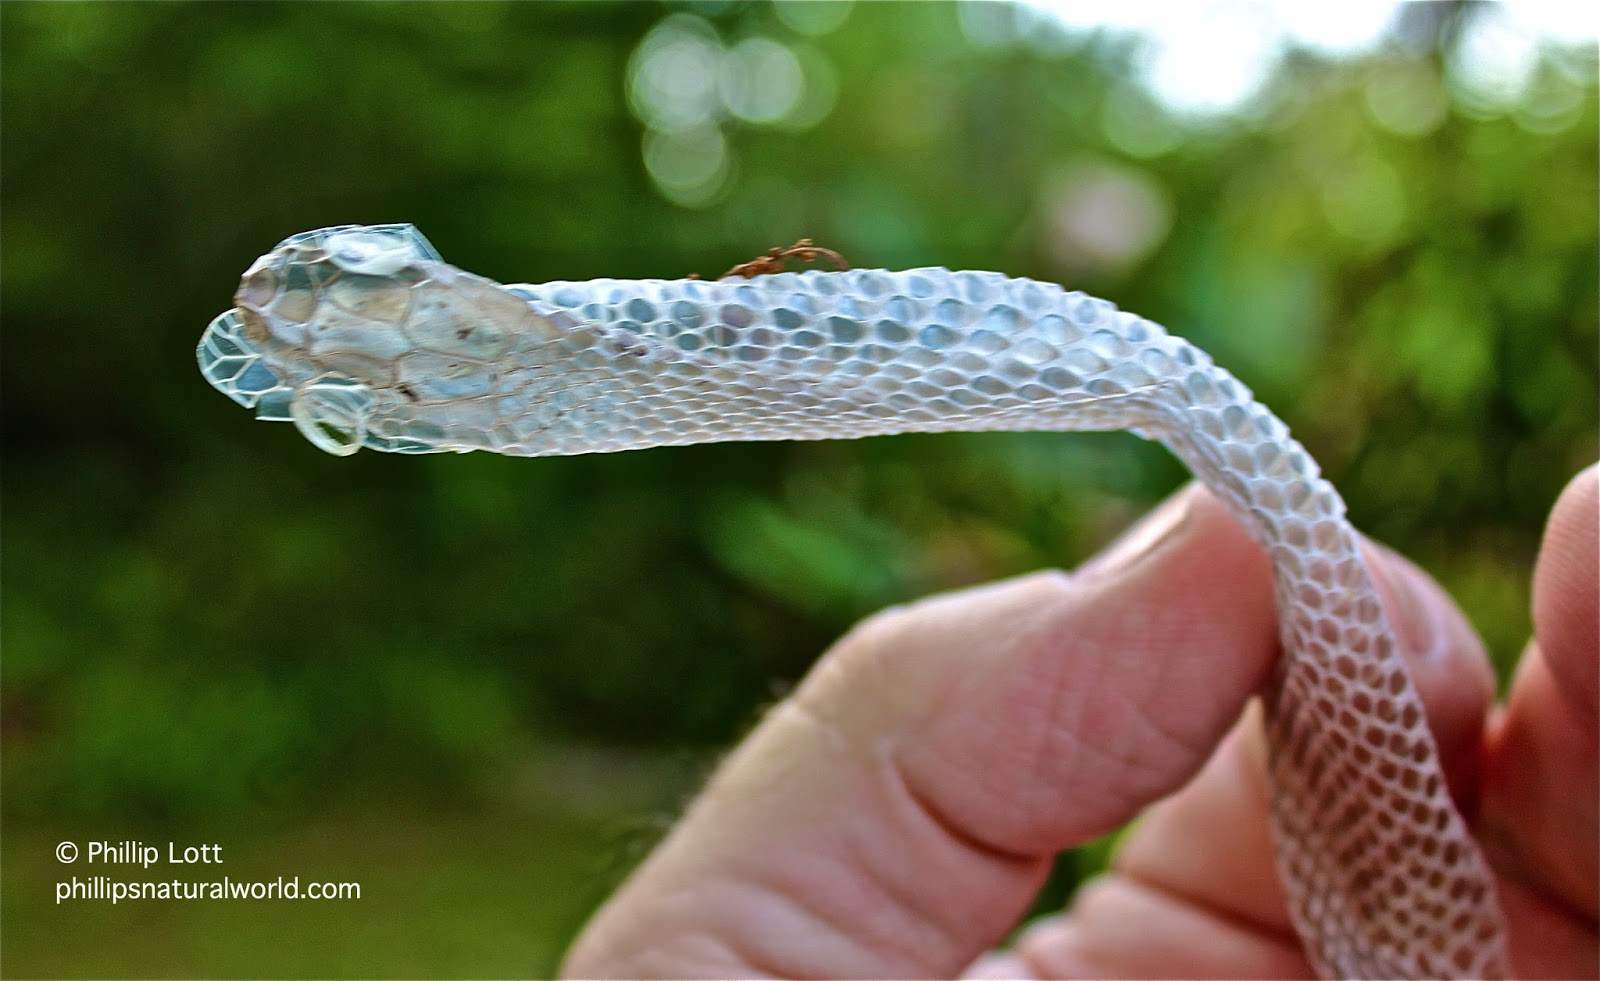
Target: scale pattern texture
[(363, 337)]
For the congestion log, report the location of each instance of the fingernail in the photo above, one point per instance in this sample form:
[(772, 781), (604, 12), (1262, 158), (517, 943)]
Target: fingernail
[(1146, 537), (997, 965), (1410, 614)]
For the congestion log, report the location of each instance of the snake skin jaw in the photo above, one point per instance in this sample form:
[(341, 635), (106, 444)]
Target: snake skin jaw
[(364, 337)]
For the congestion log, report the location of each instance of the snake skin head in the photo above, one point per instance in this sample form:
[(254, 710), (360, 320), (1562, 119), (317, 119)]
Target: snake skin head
[(352, 325)]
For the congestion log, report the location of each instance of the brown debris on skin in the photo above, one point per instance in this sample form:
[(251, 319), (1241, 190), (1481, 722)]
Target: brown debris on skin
[(774, 260)]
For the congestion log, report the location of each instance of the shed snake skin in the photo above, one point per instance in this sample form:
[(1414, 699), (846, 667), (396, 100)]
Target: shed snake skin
[(363, 336)]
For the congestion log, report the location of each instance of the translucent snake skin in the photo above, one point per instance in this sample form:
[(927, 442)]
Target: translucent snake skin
[(362, 336)]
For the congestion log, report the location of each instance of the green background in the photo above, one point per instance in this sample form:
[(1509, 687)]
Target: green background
[(481, 686)]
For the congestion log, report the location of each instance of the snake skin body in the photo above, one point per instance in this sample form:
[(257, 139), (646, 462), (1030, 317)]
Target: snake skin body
[(363, 337)]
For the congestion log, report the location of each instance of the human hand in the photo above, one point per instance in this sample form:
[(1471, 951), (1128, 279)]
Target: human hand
[(895, 816)]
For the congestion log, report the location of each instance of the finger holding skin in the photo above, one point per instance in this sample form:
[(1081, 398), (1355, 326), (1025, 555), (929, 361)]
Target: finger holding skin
[(1541, 758), (1122, 928), (1566, 607), (897, 814), (1211, 843), (1208, 850)]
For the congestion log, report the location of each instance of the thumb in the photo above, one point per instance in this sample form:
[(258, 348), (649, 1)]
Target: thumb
[(896, 815)]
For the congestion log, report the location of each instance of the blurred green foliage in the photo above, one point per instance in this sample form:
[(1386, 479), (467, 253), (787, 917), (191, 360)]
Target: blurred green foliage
[(205, 620)]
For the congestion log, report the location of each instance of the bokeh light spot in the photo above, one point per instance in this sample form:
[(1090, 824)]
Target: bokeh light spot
[(1406, 98), (1211, 58), (1366, 201), (690, 166), (819, 90), (760, 80), (812, 18), (673, 78), (1102, 220), (1492, 63), (1551, 103)]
